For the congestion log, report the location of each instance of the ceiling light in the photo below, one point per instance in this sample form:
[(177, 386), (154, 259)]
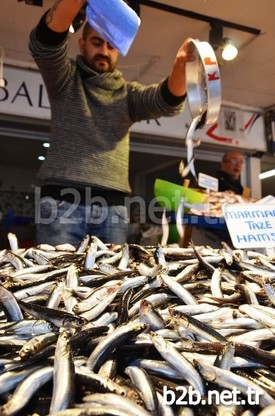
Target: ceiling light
[(230, 50), (217, 41), (46, 144), (267, 174), (41, 158)]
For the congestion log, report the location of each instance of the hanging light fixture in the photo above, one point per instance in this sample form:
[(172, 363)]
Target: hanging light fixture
[(229, 49), (215, 35)]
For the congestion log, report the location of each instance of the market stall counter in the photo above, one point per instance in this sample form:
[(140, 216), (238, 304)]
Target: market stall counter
[(201, 215)]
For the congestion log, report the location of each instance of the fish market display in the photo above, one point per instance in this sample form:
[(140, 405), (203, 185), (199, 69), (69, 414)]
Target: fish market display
[(216, 200), (132, 330)]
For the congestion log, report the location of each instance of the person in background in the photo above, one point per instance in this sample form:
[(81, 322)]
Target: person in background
[(84, 178), (230, 171)]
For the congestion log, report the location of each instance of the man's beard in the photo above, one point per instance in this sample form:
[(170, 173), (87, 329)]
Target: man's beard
[(95, 64)]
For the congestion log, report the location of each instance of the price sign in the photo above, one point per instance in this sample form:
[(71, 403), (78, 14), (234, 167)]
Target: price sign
[(208, 182), (250, 225)]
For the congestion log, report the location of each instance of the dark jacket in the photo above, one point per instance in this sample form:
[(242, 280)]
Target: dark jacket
[(227, 183)]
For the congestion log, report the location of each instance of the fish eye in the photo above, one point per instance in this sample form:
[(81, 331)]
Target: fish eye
[(53, 328)]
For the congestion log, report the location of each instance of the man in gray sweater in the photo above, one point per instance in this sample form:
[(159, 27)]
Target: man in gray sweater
[(85, 175)]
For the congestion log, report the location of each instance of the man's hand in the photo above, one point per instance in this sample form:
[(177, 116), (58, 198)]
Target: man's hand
[(185, 53), (62, 13), (177, 78)]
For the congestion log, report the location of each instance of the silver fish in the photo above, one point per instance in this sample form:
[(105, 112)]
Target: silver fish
[(10, 305), (227, 379), (26, 389), (144, 384), (63, 374), (111, 341), (116, 401), (178, 362), (56, 317)]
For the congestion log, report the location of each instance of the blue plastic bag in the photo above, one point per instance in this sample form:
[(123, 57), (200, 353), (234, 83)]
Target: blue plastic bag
[(115, 21)]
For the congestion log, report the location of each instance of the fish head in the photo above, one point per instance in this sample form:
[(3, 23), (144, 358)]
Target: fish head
[(74, 321)]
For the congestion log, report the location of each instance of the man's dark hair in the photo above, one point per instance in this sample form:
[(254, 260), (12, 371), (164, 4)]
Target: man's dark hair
[(86, 29)]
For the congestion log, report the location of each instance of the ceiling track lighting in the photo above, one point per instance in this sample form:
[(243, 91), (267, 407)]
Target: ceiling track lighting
[(199, 16), (229, 49), (215, 35)]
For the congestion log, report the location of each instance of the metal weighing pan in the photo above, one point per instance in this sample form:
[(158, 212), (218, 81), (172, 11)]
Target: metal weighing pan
[(203, 83)]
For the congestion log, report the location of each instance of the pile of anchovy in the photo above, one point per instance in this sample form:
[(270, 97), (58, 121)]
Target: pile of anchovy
[(130, 330)]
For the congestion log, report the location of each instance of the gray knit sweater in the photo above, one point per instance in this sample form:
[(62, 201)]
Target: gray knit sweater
[(91, 116)]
